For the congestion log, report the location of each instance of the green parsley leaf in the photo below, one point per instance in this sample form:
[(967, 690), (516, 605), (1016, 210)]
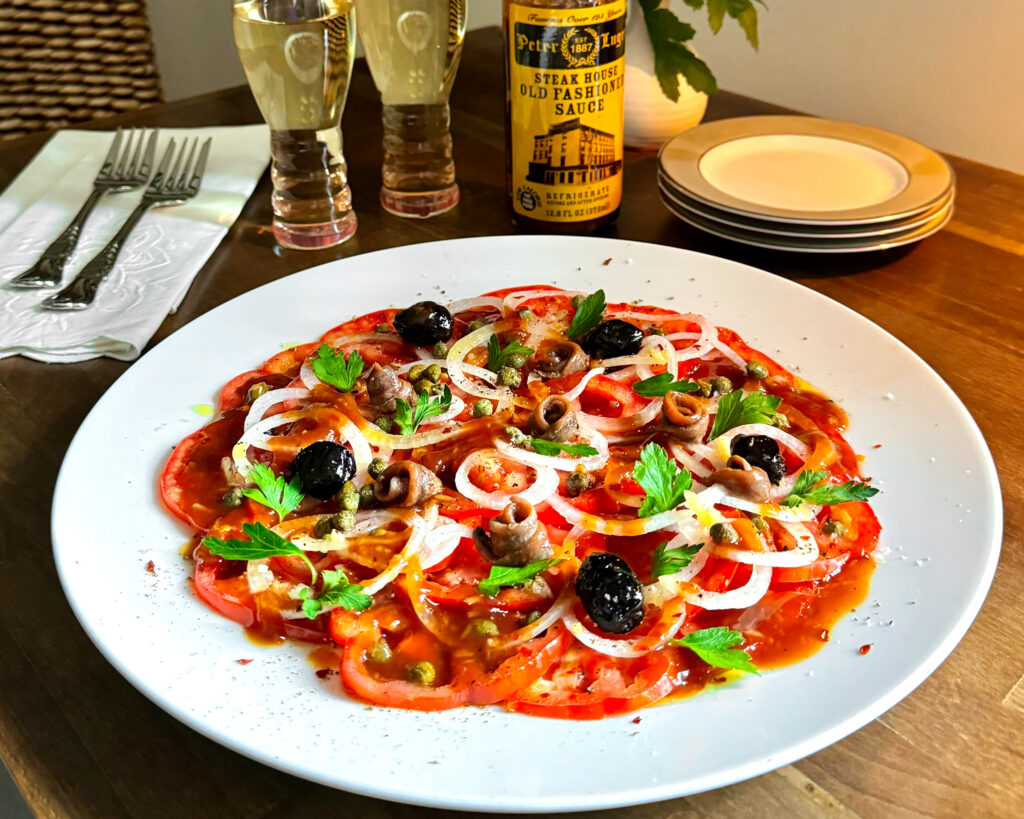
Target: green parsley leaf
[(805, 491), (502, 576), (333, 368), (714, 646), (336, 592), (662, 384), (262, 543), (735, 409), (588, 315), (497, 356), (408, 420), (273, 492), (670, 561), (663, 481), (544, 447), (672, 57)]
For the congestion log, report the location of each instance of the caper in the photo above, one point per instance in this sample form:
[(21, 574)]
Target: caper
[(485, 628), (757, 369), (422, 673), (232, 498), (516, 436), (344, 520), (424, 385), (834, 527), (474, 325), (579, 481), (705, 386), (440, 350), (416, 372), (721, 385), (381, 651), (376, 468), (759, 523), (380, 531), (577, 300), (385, 423), (723, 533), (527, 315), (517, 361), (256, 390), (382, 328), (348, 497), (366, 497), (433, 372), (655, 331), (482, 407), (509, 377), (781, 421), (322, 528), (532, 617)]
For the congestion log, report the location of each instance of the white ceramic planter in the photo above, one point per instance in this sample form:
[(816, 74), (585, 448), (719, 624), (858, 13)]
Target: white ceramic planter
[(651, 118)]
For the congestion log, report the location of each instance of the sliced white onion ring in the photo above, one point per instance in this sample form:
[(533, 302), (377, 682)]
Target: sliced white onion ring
[(306, 374), (442, 540), (457, 369), (420, 527), (625, 423), (659, 347), (565, 464), (577, 391), (462, 305), (513, 300), (631, 527), (469, 369), (260, 406), (805, 553), (746, 595), (692, 463), (544, 486)]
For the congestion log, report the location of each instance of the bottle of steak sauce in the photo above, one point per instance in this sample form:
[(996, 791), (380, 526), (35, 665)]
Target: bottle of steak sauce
[(564, 88)]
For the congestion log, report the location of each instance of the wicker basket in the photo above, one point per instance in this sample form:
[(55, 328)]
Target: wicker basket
[(64, 62)]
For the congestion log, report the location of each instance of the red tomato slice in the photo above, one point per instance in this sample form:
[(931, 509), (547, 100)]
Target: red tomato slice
[(193, 481), (222, 587), (236, 392), (592, 685), (608, 397)]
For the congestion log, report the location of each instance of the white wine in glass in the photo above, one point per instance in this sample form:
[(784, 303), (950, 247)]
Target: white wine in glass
[(297, 56), (413, 49)]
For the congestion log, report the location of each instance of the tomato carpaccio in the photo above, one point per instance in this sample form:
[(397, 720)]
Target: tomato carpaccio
[(569, 508)]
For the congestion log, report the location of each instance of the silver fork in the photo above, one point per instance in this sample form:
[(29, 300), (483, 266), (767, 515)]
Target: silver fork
[(125, 170), (168, 187)]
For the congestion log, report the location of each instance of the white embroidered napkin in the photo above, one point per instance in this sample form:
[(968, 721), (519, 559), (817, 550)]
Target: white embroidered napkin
[(158, 263)]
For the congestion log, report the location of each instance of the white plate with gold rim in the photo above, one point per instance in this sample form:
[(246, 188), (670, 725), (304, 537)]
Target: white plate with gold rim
[(275, 709), (805, 170)]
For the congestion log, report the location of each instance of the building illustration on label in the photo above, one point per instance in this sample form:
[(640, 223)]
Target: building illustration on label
[(572, 153)]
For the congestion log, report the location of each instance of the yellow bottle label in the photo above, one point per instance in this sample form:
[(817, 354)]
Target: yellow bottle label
[(566, 100)]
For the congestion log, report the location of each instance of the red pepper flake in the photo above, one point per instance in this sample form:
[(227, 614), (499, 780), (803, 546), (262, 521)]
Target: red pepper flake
[(877, 446), (864, 649), (151, 567), (607, 262), (636, 720), (824, 635), (243, 662)]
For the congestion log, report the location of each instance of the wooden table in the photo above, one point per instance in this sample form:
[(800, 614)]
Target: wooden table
[(81, 742)]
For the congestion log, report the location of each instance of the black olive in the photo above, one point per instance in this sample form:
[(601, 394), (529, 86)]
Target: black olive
[(323, 468), (613, 338), (761, 451), (610, 593), (425, 323)]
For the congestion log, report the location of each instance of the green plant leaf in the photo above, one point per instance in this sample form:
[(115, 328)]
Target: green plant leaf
[(502, 576), (262, 543), (805, 490), (408, 420), (587, 316), (742, 11), (552, 448), (736, 409), (672, 57), (662, 384), (670, 561), (272, 491), (335, 369), (714, 646), (663, 481), (337, 592), (497, 356)]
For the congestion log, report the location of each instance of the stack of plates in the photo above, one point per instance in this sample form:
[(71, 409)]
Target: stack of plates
[(805, 184)]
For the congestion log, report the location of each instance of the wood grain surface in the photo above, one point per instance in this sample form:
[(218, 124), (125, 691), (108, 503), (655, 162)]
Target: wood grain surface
[(81, 742)]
